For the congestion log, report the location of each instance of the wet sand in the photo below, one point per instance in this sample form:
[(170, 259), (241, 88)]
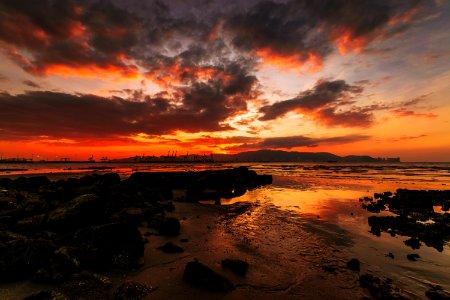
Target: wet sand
[(285, 261)]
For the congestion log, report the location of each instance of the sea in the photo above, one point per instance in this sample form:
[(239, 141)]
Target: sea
[(309, 204)]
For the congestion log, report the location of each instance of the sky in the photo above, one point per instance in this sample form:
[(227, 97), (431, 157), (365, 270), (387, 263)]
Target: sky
[(120, 78)]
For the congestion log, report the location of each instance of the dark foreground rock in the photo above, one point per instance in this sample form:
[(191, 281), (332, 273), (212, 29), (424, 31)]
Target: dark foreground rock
[(354, 264), (52, 231), (238, 266), (437, 293), (200, 275), (415, 216), (170, 247), (381, 288), (131, 290)]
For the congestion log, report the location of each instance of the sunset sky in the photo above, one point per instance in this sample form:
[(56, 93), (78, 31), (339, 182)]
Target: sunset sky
[(119, 78)]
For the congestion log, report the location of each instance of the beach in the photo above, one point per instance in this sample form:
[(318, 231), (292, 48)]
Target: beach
[(297, 235)]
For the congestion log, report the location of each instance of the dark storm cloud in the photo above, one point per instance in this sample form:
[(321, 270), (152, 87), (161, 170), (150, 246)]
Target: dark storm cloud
[(117, 34), (322, 95), (301, 27), (200, 107), (287, 142), (69, 33)]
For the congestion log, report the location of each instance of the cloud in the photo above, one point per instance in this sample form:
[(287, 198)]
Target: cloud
[(200, 107), (293, 33), (409, 108), (322, 102), (288, 142), (127, 38), (31, 84), (69, 37)]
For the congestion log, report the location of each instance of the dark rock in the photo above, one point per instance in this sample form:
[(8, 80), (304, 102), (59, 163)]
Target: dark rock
[(381, 288), (29, 183), (131, 290), (32, 224), (413, 243), (238, 266), (170, 247), (170, 227), (437, 293), (354, 264), (132, 215), (103, 246), (375, 230), (79, 212), (200, 275), (5, 182), (21, 258), (86, 285), (46, 295), (391, 255), (413, 257), (184, 240)]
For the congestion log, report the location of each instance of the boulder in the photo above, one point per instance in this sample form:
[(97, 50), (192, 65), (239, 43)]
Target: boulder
[(20, 258), (110, 245), (237, 266), (354, 264), (437, 293), (29, 183), (131, 290), (80, 211), (200, 275), (170, 227), (170, 247)]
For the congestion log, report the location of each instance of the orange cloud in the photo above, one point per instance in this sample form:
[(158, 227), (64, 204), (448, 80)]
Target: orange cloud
[(410, 113), (404, 17), (346, 42), (313, 61), (92, 71)]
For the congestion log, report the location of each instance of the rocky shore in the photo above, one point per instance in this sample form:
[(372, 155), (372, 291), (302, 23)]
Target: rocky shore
[(71, 234)]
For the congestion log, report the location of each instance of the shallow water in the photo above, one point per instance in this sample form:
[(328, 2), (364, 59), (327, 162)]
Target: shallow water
[(312, 211)]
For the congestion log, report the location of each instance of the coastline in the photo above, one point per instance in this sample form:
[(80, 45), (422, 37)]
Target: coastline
[(290, 255)]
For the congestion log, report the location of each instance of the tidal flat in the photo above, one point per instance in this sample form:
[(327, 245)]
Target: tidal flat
[(315, 232)]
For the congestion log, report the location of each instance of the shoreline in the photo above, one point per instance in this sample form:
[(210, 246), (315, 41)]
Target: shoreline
[(289, 256)]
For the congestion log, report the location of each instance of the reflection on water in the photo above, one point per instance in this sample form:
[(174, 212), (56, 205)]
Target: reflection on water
[(330, 210), (312, 211)]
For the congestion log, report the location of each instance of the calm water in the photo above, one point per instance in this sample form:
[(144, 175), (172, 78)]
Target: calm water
[(319, 200)]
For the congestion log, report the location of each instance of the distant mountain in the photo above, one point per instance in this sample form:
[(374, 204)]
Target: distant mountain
[(294, 156)]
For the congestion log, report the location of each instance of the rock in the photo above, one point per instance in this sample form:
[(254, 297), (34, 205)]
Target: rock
[(391, 255), (46, 295), (86, 285), (413, 257), (200, 275), (132, 215), (354, 264), (79, 212), (238, 266), (110, 245), (32, 224), (381, 288), (437, 293), (170, 247), (29, 183), (21, 258), (131, 290), (170, 227), (414, 243)]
